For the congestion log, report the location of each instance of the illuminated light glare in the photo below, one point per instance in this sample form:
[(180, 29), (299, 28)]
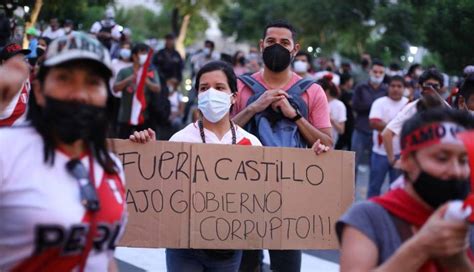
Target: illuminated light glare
[(318, 50), (188, 87), (185, 99), (403, 58), (413, 50), (310, 49), (26, 8), (188, 81), (411, 59)]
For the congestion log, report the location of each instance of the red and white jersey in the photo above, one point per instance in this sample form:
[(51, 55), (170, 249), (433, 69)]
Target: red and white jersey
[(191, 134), (15, 111), (43, 225)]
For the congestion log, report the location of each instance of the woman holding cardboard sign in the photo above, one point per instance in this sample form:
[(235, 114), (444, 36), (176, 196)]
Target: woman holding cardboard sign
[(216, 84), (417, 227)]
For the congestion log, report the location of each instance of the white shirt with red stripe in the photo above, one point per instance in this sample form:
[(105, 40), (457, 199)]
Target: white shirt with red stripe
[(43, 225), (15, 112), (191, 134), (385, 109)]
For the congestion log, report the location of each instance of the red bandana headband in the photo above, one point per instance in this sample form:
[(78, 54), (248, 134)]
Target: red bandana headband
[(434, 133)]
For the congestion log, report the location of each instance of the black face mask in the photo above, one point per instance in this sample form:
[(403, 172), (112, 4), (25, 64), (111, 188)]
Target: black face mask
[(276, 57), (436, 192), (242, 60), (39, 52), (72, 121)]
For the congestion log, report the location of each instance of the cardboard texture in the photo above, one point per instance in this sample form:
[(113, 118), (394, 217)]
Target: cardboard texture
[(182, 195)]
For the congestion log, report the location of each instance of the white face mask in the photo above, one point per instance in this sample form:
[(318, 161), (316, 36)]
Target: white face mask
[(406, 92), (206, 51), (67, 29), (142, 58), (300, 66), (376, 80), (214, 104), (125, 53)]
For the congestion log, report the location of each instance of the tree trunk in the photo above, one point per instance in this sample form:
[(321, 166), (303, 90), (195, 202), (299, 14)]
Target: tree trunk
[(182, 35), (33, 19), (175, 21)]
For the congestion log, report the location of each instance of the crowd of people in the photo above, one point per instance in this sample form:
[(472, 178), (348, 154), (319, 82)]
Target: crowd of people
[(61, 97)]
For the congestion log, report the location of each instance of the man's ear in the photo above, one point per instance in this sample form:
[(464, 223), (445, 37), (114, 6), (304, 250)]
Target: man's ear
[(260, 45), (297, 48), (39, 96)]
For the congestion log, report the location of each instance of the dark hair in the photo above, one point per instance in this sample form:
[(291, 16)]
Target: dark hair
[(235, 58), (209, 42), (218, 66), (377, 62), (397, 78), (35, 115), (429, 116), (344, 78), (328, 86), (394, 66), (45, 39), (169, 36), (308, 56), (139, 47), (467, 88), (412, 69), (280, 24), (431, 73)]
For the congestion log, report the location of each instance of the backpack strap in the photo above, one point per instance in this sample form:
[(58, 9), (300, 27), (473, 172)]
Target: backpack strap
[(256, 87), (300, 87)]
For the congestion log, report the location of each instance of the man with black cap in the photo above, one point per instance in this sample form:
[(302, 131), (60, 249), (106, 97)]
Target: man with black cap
[(14, 111), (62, 196)]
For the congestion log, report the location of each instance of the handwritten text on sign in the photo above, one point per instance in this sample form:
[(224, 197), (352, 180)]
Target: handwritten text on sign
[(183, 195)]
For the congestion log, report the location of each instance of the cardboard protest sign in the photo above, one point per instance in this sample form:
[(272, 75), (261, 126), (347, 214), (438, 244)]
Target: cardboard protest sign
[(233, 197)]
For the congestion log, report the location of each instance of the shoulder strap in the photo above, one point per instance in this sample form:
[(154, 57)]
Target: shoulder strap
[(300, 86), (253, 84)]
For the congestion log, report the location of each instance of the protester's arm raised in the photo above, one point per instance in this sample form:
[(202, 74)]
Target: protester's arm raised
[(12, 75), (441, 240)]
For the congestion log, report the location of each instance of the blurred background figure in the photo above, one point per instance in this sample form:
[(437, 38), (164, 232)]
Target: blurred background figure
[(107, 30)]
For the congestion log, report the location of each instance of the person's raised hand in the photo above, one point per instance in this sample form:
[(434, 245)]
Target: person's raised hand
[(12, 74), (143, 136), (442, 238)]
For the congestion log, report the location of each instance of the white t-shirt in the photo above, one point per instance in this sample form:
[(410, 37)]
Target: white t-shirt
[(338, 113), (175, 98), (191, 134), (53, 34), (406, 113), (43, 223), (15, 112), (386, 109)]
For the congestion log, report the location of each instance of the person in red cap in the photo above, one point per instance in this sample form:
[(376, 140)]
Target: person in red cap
[(14, 110), (407, 229), (62, 194)]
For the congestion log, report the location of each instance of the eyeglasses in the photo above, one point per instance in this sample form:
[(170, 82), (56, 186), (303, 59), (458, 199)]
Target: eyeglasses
[(88, 193), (428, 85)]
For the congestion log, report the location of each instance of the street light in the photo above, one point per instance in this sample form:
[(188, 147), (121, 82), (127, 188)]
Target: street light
[(413, 50), (310, 49), (27, 9)]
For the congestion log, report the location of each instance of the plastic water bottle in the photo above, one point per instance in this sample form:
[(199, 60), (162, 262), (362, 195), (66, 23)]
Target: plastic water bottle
[(456, 211)]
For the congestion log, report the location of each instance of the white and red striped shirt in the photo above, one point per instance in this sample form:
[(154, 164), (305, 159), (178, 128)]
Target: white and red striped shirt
[(15, 112), (191, 134), (43, 225)]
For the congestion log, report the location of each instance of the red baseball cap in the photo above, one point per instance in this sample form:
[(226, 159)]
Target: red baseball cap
[(12, 49)]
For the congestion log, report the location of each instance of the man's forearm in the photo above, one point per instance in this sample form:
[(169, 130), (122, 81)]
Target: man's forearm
[(312, 134), (387, 136), (243, 117)]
